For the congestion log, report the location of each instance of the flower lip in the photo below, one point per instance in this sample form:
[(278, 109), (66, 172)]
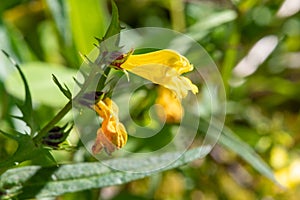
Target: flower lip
[(112, 134), (163, 67)]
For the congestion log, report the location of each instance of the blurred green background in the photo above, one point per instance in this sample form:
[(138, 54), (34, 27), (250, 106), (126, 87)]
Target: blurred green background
[(255, 44)]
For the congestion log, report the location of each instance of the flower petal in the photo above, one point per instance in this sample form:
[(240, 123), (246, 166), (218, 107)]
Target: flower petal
[(165, 57), (167, 77), (162, 67), (112, 135), (171, 110)]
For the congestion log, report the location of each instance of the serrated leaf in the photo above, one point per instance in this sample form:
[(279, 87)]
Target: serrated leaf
[(26, 150), (114, 27), (35, 181), (39, 75), (66, 91), (77, 82), (26, 107)]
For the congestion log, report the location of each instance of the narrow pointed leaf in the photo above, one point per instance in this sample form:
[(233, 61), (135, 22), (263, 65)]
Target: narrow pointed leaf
[(35, 181), (77, 82), (38, 75), (66, 91), (14, 137), (26, 150), (114, 27), (229, 140), (26, 107)]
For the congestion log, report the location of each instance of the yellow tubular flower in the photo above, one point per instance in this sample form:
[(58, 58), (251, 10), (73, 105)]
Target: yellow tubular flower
[(163, 67), (112, 135), (172, 110)]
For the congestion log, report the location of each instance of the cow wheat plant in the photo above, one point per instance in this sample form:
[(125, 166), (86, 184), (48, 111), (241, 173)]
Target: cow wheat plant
[(80, 146)]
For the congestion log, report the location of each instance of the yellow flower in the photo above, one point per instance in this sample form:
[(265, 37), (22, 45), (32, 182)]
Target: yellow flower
[(112, 135), (172, 110), (163, 67)]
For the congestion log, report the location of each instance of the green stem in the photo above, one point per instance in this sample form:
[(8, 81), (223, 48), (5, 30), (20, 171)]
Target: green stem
[(102, 80), (177, 14), (43, 132), (52, 123), (90, 78)]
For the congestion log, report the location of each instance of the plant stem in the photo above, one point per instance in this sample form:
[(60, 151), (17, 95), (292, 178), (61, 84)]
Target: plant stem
[(102, 80), (176, 8), (52, 123), (43, 132)]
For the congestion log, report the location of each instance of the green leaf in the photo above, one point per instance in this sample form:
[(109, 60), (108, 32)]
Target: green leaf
[(26, 108), (15, 44), (66, 91), (39, 77), (58, 9), (59, 12), (36, 181), (88, 20), (214, 20), (229, 140), (26, 150), (114, 27)]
